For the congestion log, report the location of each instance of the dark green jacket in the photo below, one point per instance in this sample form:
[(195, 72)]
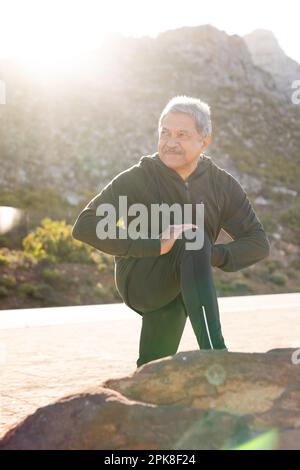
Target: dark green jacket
[(226, 206)]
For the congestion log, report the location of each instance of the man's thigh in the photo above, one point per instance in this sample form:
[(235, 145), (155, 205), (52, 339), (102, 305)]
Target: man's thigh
[(155, 281)]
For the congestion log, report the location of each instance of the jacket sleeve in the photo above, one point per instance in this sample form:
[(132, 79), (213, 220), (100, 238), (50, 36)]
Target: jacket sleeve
[(87, 229), (250, 243)]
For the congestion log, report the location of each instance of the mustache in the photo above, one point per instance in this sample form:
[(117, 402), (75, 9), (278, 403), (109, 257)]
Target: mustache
[(171, 151)]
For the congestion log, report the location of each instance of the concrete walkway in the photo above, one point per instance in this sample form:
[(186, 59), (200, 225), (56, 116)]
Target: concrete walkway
[(48, 353)]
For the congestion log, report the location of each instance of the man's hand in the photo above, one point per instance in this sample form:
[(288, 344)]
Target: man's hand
[(168, 239)]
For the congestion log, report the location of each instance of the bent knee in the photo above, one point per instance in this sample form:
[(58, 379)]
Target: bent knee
[(201, 249), (192, 241)]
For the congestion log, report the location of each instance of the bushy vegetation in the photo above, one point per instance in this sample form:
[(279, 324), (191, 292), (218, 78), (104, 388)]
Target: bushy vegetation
[(8, 280), (52, 241), (3, 291), (35, 291), (16, 258), (55, 269), (232, 287), (279, 278)]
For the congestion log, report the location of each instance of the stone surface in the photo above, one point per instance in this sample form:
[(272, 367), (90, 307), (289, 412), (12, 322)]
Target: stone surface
[(193, 400), (237, 383)]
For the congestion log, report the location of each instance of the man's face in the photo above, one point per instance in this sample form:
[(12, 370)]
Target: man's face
[(180, 144)]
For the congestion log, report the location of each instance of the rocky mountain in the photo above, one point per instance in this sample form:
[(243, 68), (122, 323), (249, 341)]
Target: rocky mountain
[(268, 55), (64, 136)]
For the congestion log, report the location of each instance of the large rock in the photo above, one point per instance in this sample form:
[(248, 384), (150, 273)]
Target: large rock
[(193, 400)]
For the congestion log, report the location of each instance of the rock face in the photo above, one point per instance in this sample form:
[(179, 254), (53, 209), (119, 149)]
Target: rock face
[(267, 54), (193, 400)]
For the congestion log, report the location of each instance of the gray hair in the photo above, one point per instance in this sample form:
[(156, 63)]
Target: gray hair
[(196, 108)]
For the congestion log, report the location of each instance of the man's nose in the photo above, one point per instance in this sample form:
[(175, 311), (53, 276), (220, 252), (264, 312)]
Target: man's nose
[(172, 141)]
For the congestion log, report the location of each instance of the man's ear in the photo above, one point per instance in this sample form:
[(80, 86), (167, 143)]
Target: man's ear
[(206, 141)]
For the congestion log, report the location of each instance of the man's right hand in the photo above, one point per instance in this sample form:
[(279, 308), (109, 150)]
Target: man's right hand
[(169, 236)]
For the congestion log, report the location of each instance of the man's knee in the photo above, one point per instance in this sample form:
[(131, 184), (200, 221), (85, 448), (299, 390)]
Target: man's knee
[(191, 243)]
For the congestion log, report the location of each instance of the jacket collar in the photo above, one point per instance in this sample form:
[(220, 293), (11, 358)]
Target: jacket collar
[(203, 164)]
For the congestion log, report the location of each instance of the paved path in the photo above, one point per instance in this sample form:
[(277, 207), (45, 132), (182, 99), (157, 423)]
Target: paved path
[(48, 353)]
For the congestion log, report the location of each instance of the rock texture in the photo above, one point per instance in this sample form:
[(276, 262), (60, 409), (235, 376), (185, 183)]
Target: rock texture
[(193, 400), (267, 54)]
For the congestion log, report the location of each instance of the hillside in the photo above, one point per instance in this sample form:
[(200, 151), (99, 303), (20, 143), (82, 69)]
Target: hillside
[(64, 136)]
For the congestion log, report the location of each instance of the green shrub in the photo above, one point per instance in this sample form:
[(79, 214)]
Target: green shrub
[(229, 286), (3, 260), (291, 273), (3, 291), (16, 258), (241, 287), (53, 241), (279, 279), (48, 294), (102, 260), (57, 279), (53, 276), (8, 280), (4, 241), (101, 266), (269, 222), (41, 291), (103, 292), (34, 291), (223, 287), (291, 218), (100, 290), (273, 265), (296, 264)]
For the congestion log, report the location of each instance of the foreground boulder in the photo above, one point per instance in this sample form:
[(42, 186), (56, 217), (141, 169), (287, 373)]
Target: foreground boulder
[(193, 400)]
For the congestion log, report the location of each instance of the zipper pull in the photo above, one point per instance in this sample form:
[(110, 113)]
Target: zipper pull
[(187, 191)]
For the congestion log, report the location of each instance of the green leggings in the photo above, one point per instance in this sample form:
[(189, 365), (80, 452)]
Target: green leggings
[(168, 288)]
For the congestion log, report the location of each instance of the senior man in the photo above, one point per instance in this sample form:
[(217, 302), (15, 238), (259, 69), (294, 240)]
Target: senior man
[(160, 274)]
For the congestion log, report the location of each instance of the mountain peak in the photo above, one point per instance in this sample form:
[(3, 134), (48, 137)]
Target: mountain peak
[(263, 40), (267, 54)]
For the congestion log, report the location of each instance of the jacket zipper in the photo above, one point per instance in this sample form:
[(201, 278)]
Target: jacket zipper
[(187, 191), (186, 183)]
